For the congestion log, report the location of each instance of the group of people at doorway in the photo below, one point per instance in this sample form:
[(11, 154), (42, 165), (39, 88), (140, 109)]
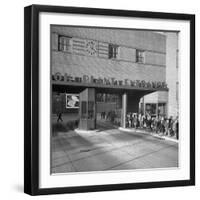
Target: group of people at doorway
[(110, 116), (158, 124)]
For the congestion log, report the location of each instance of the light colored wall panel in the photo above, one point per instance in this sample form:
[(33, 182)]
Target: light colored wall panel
[(127, 54)]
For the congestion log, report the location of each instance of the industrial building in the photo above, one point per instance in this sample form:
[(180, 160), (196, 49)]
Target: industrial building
[(100, 70)]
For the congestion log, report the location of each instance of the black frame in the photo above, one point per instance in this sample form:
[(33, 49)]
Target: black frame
[(31, 98)]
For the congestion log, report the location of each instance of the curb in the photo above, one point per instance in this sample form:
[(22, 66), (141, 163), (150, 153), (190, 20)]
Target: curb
[(133, 130), (85, 132)]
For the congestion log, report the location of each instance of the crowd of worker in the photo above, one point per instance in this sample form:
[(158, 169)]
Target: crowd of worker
[(158, 124)]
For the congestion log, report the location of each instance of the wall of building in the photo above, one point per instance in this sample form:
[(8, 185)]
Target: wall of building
[(146, 40), (124, 67), (172, 72), (171, 97), (78, 65), (155, 97), (59, 104)]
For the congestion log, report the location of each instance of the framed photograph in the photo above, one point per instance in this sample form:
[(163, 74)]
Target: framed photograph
[(72, 101), (109, 99)]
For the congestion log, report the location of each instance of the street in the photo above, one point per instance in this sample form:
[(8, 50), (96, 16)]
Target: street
[(110, 149)]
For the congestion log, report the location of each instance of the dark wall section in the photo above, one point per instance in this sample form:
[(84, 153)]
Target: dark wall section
[(59, 104), (133, 103)]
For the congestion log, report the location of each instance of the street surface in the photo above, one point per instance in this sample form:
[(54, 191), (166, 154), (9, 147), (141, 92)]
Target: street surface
[(110, 149)]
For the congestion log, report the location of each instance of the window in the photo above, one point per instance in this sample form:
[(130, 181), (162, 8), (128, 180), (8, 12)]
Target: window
[(162, 109), (64, 43), (83, 109), (109, 98), (112, 51), (87, 110), (100, 97), (151, 108), (90, 110), (139, 56)]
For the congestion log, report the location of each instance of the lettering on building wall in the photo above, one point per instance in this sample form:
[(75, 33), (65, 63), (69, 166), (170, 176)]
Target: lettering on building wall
[(108, 81)]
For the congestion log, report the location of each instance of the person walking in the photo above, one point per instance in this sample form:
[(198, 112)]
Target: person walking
[(158, 125), (176, 126), (140, 120), (167, 126), (135, 120), (59, 115), (162, 126)]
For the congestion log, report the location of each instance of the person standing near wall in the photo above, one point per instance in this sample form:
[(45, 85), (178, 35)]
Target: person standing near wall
[(59, 115)]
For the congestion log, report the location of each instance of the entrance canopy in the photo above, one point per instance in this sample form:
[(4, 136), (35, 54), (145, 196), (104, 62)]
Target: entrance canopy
[(112, 83), (120, 89)]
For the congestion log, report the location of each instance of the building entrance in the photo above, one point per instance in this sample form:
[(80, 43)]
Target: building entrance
[(94, 107), (108, 110)]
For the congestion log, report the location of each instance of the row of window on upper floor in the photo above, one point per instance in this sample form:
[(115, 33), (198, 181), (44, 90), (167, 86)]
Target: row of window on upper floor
[(110, 51)]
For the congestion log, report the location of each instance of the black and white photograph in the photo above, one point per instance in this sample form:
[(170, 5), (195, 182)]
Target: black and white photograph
[(114, 99), (109, 100)]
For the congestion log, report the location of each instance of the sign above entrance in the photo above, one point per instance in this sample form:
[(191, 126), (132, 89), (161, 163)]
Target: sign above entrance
[(58, 77)]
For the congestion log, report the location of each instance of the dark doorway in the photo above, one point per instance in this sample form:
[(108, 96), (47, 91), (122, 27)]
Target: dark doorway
[(108, 110)]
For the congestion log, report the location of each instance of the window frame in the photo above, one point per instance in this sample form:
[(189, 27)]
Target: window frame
[(113, 51), (66, 46), (140, 56)]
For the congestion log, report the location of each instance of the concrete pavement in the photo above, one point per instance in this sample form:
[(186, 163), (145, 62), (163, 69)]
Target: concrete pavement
[(110, 149)]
